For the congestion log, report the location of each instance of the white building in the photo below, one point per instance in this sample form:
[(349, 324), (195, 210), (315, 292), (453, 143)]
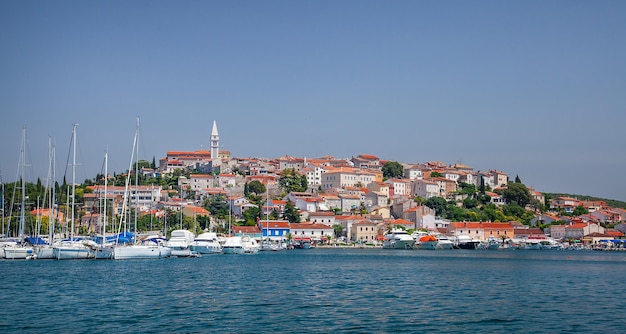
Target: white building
[(347, 177)]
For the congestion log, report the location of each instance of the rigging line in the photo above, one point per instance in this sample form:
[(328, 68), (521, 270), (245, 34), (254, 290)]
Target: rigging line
[(141, 141), (81, 158), (67, 163)]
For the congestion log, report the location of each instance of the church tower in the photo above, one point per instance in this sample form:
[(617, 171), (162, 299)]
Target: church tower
[(215, 142)]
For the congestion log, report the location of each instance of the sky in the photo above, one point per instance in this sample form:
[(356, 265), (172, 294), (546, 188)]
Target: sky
[(536, 89)]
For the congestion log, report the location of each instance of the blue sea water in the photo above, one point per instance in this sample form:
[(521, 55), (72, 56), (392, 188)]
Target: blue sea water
[(320, 291)]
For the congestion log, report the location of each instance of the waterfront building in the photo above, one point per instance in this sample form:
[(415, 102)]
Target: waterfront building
[(251, 231), (322, 217), (364, 231), (474, 230), (274, 229), (314, 231)]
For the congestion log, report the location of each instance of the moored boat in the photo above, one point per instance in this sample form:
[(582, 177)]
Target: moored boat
[(444, 243), (72, 249), (240, 245), (180, 242), (427, 242), (466, 242), (206, 243), (398, 239), (18, 252)]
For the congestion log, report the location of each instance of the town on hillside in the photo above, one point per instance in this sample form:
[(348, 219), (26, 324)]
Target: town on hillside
[(359, 200)]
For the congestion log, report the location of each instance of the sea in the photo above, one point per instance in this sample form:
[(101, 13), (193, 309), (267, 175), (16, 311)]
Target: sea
[(321, 290)]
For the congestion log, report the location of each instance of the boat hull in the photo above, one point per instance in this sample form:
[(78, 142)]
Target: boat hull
[(427, 245), (44, 253), (72, 253), (398, 244), (206, 248), (233, 250), (444, 244), (141, 252), (19, 253), (468, 245)]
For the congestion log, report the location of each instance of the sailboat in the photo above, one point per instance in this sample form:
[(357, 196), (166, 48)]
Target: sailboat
[(267, 244), (136, 250), (103, 249), (43, 249), (18, 249), (72, 248)]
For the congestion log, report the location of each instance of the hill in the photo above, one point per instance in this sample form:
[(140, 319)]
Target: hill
[(610, 202)]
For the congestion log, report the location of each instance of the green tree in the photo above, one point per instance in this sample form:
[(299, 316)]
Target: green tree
[(454, 213), (513, 210), (467, 189), (436, 174), (256, 187), (517, 193), (291, 213), (580, 210), (470, 203), (292, 181), (252, 215), (392, 169), (438, 204), (274, 214), (338, 230)]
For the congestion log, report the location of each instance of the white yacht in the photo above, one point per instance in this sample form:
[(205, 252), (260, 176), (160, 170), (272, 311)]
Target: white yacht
[(206, 243), (180, 242), (443, 242), (151, 248), (71, 249), (240, 245), (398, 239)]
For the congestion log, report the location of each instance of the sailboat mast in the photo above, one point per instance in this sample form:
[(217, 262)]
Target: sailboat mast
[(126, 199), (73, 198), (136, 179), (22, 182), (2, 208), (53, 194), (48, 193), (267, 213), (104, 210)]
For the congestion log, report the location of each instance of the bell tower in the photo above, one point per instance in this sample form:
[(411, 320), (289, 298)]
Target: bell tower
[(215, 142)]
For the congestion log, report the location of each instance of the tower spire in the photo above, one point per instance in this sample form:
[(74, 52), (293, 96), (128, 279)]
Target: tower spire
[(215, 142)]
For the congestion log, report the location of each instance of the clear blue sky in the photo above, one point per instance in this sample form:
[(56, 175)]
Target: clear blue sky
[(531, 88)]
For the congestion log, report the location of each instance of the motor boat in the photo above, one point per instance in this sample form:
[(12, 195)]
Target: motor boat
[(466, 242), (444, 243), (240, 245), (427, 242), (206, 243), (398, 239), (180, 242)]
